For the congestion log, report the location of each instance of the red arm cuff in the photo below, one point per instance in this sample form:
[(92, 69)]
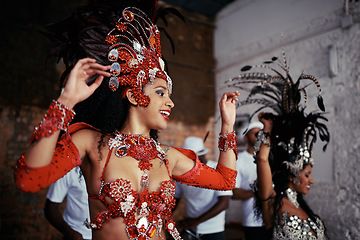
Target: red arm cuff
[(66, 157), (221, 178)]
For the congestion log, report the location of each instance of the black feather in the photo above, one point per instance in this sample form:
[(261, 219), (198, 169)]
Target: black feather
[(297, 98), (169, 38), (320, 103), (255, 90), (163, 18), (324, 147), (246, 68), (168, 10), (268, 62)]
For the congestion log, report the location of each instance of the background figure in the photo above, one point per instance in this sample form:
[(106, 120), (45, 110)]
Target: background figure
[(246, 168), (204, 208), (283, 150), (71, 224)]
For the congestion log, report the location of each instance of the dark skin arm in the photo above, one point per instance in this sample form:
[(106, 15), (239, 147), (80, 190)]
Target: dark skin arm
[(242, 194), (220, 205), (54, 216), (264, 174)]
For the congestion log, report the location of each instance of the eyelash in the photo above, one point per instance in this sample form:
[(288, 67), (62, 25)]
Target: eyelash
[(160, 92)]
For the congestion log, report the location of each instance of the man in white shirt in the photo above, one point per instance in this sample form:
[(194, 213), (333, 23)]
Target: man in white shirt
[(204, 208), (246, 168), (71, 223)]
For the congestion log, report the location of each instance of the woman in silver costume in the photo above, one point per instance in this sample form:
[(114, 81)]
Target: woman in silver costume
[(283, 150)]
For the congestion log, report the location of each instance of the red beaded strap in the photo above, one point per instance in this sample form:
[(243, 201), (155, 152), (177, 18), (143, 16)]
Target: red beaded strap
[(57, 117), (228, 141), (170, 226)]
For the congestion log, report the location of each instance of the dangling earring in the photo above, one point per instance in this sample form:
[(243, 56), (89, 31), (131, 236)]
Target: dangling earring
[(296, 181)]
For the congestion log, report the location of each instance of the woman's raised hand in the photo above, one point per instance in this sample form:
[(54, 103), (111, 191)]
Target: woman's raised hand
[(76, 88), (228, 111)]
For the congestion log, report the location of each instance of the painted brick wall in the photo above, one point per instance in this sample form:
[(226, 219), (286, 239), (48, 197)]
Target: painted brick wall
[(22, 215)]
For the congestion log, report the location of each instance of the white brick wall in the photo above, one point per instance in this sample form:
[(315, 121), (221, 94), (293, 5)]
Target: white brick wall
[(309, 29)]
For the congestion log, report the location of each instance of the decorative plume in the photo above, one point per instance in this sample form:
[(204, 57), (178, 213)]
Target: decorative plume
[(83, 33), (278, 91), (278, 87)]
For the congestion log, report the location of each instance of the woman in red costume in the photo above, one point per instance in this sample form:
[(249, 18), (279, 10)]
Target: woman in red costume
[(120, 92)]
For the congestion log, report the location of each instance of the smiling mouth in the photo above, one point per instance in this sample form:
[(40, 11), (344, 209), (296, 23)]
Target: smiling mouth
[(166, 114)]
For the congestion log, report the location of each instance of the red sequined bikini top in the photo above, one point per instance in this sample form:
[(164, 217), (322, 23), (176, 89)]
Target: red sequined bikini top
[(152, 207)]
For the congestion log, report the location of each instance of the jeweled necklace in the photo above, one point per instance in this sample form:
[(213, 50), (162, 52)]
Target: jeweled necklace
[(292, 196), (142, 149), (139, 147)]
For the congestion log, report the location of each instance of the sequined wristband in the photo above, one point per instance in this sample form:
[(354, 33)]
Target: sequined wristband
[(261, 138), (57, 117), (228, 141)]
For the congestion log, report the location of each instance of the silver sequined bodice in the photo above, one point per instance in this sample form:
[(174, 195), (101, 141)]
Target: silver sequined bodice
[(295, 228)]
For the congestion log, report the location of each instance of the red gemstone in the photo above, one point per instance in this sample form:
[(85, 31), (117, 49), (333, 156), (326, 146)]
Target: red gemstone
[(129, 141), (132, 231), (128, 16), (142, 140), (121, 151), (142, 229), (151, 231), (142, 237)]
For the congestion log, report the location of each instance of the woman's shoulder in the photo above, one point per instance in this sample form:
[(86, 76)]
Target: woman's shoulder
[(177, 152), (80, 126), (293, 226), (289, 209), (86, 135), (180, 160)]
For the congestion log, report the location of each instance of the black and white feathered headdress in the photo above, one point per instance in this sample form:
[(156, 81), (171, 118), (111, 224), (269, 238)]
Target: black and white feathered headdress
[(294, 132)]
